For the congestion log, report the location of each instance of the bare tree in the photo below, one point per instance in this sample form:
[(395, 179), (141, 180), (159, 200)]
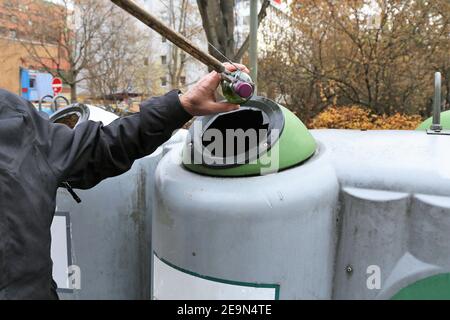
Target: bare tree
[(181, 16), (181, 13), (121, 64)]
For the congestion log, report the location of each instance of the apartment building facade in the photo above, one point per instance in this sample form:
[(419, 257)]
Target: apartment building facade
[(20, 72)]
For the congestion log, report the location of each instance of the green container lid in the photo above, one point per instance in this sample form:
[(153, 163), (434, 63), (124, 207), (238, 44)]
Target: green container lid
[(445, 122), (283, 141)]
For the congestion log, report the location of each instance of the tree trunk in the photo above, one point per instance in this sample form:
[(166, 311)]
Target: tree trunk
[(73, 92), (218, 22)]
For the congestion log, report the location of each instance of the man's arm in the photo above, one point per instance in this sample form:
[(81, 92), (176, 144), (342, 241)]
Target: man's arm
[(92, 152)]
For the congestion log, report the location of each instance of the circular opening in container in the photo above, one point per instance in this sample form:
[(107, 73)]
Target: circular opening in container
[(238, 137), (71, 116), (252, 124), (69, 120)]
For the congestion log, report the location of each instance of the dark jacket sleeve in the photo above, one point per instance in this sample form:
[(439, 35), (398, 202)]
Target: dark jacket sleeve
[(92, 152)]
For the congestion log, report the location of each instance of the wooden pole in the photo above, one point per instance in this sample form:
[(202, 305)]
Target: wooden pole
[(177, 39)]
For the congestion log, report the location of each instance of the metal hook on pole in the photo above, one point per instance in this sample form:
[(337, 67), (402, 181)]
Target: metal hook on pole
[(436, 126)]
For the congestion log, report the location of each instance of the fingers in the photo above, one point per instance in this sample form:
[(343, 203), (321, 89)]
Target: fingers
[(219, 107), (242, 67), (230, 67), (211, 80)]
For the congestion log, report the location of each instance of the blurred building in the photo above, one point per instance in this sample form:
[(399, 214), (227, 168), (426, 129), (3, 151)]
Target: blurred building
[(242, 21), (243, 16), (20, 72)]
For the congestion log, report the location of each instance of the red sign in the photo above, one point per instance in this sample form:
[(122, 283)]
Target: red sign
[(277, 3), (57, 86)]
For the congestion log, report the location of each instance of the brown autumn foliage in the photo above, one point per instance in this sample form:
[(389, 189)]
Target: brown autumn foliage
[(355, 117), (379, 54)]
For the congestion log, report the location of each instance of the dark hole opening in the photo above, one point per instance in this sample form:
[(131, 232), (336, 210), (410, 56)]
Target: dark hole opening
[(69, 120), (253, 123)]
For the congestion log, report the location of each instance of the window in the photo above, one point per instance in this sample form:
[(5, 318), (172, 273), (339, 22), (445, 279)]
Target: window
[(146, 61), (163, 81), (163, 59), (163, 39), (183, 81), (32, 83), (13, 34), (183, 56)]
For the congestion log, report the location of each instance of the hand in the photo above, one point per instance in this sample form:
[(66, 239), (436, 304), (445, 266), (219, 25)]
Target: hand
[(200, 100)]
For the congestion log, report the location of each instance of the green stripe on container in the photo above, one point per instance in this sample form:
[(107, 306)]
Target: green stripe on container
[(230, 282), (432, 288)]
